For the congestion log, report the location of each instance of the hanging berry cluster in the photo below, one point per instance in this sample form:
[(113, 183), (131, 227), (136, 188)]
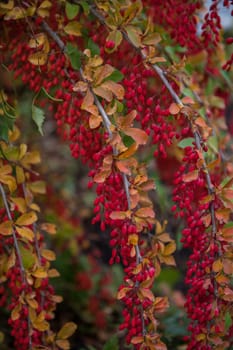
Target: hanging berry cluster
[(108, 109)]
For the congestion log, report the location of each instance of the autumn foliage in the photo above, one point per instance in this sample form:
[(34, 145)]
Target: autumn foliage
[(135, 88)]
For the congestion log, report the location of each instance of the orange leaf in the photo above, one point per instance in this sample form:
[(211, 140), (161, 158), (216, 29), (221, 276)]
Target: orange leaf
[(217, 265), (201, 122), (147, 293), (88, 100), (140, 136), (115, 88), (6, 228), (50, 228), (145, 212), (95, 121), (191, 176), (129, 152), (137, 340), (63, 344), (174, 108), (102, 73), (104, 93), (187, 100), (122, 293), (48, 254), (120, 215)]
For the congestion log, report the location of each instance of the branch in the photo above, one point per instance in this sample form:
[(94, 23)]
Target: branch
[(22, 271), (176, 98), (107, 123)]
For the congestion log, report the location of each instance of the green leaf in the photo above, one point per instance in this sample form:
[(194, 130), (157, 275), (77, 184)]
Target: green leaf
[(93, 47), (71, 10), (28, 258), (74, 55), (213, 143), (38, 117), (116, 76), (51, 97), (120, 106), (228, 320), (85, 7), (128, 140), (5, 125), (186, 142), (112, 344), (188, 92)]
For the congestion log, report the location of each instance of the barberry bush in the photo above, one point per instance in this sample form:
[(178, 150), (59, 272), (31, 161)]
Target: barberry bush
[(141, 92)]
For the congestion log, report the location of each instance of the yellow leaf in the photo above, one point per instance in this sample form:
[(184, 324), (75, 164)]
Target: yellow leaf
[(37, 40), (133, 239), (152, 39), (48, 254), (16, 13), (73, 28), (26, 219), (169, 248), (11, 260), (31, 158), (25, 232), (6, 228), (31, 301), (63, 344), (116, 37), (134, 35), (45, 4), (38, 58), (168, 260), (20, 176), (120, 215), (40, 273), (200, 337), (37, 187), (140, 136), (191, 176), (67, 330), (53, 273), (41, 326), (8, 5)]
